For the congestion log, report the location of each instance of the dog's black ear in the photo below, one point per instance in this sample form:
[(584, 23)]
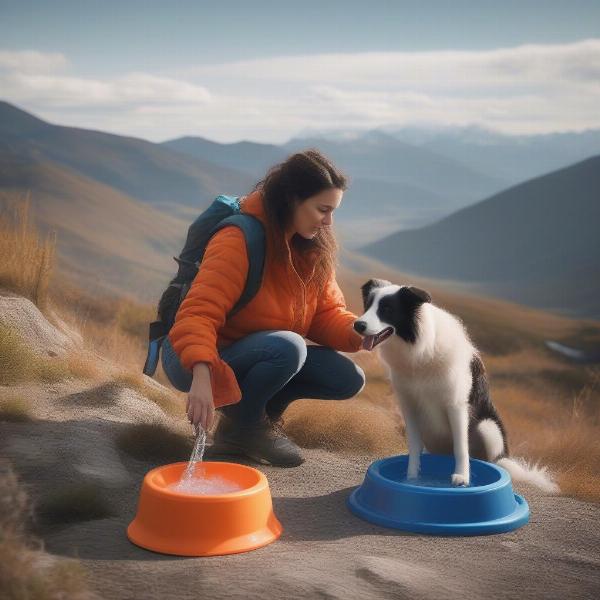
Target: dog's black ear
[(420, 295), (367, 287)]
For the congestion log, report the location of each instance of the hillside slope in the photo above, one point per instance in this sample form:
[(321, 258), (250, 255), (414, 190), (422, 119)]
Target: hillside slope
[(149, 172), (534, 243), (106, 240)]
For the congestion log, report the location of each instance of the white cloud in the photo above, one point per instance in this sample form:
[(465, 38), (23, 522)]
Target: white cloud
[(526, 89), (129, 90), (577, 61), (36, 77), (32, 61)]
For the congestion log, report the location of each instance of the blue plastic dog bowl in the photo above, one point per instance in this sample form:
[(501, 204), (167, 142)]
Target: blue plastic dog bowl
[(431, 504)]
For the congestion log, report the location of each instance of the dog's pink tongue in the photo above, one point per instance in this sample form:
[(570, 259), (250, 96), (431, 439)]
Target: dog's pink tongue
[(368, 342)]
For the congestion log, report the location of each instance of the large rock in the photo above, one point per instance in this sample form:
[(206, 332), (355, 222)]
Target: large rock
[(41, 336)]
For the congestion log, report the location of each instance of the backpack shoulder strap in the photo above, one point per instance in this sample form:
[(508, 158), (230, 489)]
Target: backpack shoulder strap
[(254, 233)]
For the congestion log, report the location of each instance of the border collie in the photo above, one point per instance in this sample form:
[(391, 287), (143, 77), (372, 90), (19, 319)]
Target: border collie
[(440, 382)]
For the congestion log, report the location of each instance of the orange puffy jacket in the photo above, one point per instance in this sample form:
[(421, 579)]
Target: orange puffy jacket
[(284, 302)]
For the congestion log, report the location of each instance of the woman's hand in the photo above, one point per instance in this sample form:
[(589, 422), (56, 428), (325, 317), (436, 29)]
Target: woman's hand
[(200, 405)]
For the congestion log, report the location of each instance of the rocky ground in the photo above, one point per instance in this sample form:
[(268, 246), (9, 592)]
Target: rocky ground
[(75, 437), (324, 551)]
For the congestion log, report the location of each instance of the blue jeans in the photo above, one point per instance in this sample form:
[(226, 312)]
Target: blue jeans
[(274, 368)]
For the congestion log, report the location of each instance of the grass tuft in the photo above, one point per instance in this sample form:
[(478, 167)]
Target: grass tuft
[(25, 571), (162, 397), (133, 318), (153, 442), (19, 364), (14, 409), (75, 502), (27, 258)]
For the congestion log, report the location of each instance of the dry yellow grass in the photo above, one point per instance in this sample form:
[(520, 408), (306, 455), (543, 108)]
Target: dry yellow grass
[(27, 258), (555, 428), (163, 398), (100, 321), (24, 569), (349, 426), (115, 329), (133, 317), (82, 365), (18, 363)]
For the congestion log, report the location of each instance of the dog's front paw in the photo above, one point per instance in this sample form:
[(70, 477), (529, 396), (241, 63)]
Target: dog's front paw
[(459, 479)]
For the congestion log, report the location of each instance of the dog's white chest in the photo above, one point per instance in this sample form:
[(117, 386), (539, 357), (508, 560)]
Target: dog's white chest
[(427, 402), (431, 413)]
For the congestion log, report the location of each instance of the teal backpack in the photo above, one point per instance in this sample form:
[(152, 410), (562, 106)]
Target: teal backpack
[(224, 211)]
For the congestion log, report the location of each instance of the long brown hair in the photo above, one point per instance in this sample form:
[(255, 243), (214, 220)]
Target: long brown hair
[(301, 176)]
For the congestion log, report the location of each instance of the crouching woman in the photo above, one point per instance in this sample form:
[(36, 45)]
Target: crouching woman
[(252, 365)]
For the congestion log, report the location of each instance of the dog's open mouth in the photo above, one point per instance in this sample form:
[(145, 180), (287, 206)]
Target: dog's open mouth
[(371, 341)]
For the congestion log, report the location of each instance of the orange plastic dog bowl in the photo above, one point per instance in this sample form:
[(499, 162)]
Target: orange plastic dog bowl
[(173, 522)]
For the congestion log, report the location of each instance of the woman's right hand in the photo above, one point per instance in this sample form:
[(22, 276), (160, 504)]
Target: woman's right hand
[(200, 405)]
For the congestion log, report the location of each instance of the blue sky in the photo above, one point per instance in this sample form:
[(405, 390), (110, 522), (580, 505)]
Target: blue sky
[(266, 70)]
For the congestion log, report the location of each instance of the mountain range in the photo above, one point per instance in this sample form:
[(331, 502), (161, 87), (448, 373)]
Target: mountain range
[(169, 181), (535, 243), (122, 205), (409, 177)]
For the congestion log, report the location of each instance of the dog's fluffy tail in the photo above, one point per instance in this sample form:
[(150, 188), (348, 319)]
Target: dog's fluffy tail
[(521, 470)]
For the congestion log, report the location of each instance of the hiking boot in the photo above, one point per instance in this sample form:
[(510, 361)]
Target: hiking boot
[(264, 442)]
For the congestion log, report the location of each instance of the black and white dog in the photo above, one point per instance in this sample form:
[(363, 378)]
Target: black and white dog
[(440, 382)]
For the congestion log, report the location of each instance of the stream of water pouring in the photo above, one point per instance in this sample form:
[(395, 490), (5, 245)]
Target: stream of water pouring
[(194, 481), (196, 457)]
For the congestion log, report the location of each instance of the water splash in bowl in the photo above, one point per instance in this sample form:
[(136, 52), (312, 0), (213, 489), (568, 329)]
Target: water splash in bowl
[(195, 481), (205, 485)]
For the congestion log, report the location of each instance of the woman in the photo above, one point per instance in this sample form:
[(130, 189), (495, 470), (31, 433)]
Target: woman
[(255, 363)]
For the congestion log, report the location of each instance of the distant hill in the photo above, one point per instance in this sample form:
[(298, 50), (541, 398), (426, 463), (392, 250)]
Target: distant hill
[(377, 155), (107, 241), (536, 243), (409, 177), (496, 326), (402, 172), (248, 157), (392, 185), (514, 158), (510, 158), (153, 173)]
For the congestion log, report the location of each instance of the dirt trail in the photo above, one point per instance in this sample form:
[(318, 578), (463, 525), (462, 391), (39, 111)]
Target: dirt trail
[(324, 552)]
